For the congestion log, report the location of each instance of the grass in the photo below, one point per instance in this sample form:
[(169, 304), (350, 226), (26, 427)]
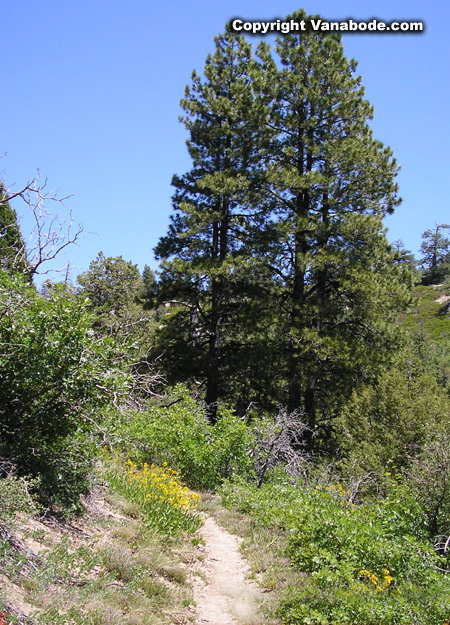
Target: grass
[(106, 568)]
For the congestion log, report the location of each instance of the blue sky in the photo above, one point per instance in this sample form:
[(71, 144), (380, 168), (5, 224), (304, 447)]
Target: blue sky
[(91, 90)]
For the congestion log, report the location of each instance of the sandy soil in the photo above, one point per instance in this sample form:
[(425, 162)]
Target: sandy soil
[(227, 597)]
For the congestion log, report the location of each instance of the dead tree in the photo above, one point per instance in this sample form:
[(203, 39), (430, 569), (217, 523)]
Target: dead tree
[(50, 236)]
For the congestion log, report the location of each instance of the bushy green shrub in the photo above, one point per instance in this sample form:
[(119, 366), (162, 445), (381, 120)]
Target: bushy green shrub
[(15, 498), (361, 565), (53, 374), (385, 424), (182, 436)]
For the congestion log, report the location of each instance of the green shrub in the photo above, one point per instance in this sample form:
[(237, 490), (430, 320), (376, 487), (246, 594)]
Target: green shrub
[(360, 565), (385, 424), (15, 498), (53, 374), (182, 436)]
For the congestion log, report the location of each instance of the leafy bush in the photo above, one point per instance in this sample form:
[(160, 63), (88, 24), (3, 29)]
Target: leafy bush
[(64, 469), (385, 424), (429, 478), (163, 502), (53, 374), (360, 565), (181, 435), (15, 498)]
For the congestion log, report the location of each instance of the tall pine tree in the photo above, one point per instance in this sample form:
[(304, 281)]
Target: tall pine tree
[(276, 263), (328, 185), (210, 271)]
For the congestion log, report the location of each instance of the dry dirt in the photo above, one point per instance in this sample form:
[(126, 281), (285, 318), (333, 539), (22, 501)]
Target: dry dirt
[(226, 596)]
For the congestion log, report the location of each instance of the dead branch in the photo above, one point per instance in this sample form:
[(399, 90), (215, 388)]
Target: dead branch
[(51, 235), (280, 440)]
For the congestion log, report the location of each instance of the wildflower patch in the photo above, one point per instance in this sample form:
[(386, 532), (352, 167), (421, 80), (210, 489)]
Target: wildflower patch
[(164, 503)]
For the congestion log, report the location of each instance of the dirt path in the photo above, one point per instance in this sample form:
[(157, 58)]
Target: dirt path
[(227, 597)]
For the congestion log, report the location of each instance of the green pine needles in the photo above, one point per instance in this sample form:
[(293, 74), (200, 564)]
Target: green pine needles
[(279, 282)]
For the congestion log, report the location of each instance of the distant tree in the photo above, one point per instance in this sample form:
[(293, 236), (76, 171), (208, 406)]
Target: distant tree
[(435, 250), (405, 259), (114, 288), (13, 258), (402, 256)]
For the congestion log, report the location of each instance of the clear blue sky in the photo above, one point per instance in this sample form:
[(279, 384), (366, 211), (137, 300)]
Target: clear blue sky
[(91, 90)]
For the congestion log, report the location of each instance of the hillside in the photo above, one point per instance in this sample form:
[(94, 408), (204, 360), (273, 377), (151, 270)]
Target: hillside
[(429, 312), (104, 568)]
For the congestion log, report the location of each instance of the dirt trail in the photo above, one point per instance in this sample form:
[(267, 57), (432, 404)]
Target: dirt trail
[(227, 597)]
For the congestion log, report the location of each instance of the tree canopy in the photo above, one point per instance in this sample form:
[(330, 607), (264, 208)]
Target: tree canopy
[(280, 282)]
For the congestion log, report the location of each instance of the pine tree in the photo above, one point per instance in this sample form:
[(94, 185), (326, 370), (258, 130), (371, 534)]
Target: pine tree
[(13, 258), (435, 250), (328, 185), (277, 254), (210, 269)]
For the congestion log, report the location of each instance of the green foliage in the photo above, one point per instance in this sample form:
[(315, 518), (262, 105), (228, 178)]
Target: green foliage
[(360, 565), (429, 478), (427, 315), (13, 257), (428, 325), (64, 467), (148, 288), (182, 436), (114, 287), (384, 424), (15, 498), (54, 376)]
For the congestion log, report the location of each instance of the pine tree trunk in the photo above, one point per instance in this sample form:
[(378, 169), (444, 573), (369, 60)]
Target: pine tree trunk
[(219, 251), (212, 381), (298, 300)]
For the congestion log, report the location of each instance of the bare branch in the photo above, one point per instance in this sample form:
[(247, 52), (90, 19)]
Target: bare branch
[(280, 441), (51, 236)]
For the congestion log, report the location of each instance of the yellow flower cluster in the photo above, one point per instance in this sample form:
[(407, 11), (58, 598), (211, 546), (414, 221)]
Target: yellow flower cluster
[(335, 490), (162, 483), (379, 585)]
